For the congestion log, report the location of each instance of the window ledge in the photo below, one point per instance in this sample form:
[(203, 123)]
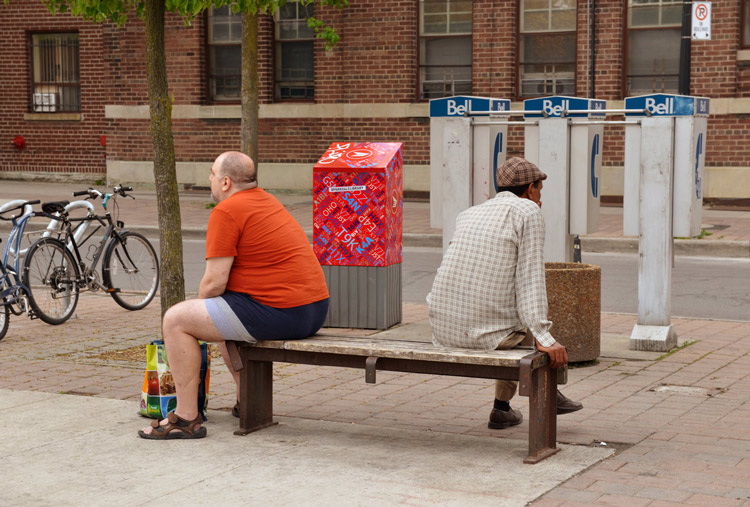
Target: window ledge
[(743, 55), (52, 116)]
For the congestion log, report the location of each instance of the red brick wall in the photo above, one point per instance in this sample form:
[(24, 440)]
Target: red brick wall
[(375, 62), (714, 63), (51, 146), (494, 44), (294, 140)]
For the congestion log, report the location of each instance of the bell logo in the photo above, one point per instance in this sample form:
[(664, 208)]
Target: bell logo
[(456, 110), (553, 110), (666, 107)]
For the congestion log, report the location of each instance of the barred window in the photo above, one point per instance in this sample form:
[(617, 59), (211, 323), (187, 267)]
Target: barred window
[(444, 48), (294, 53), (55, 73), (224, 54), (548, 47), (654, 31)]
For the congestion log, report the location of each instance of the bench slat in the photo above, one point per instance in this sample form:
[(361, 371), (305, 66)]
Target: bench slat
[(398, 349)]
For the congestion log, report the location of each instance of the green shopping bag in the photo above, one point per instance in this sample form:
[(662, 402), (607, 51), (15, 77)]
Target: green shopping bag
[(158, 396)]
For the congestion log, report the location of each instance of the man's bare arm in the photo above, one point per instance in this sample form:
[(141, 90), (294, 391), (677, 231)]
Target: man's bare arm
[(214, 281)]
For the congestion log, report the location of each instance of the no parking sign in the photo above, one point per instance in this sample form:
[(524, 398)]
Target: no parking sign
[(701, 27)]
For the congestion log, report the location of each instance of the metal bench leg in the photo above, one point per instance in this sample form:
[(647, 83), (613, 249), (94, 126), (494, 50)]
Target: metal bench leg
[(542, 415), (256, 405)]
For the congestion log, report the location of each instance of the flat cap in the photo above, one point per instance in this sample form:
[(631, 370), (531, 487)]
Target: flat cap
[(518, 171)]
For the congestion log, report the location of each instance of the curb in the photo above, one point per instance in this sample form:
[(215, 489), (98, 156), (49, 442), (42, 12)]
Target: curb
[(682, 247)]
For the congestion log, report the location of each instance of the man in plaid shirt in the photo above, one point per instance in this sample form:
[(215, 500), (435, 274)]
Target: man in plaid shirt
[(490, 290)]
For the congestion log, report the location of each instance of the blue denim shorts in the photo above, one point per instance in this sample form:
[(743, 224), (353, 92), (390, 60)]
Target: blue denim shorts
[(239, 317)]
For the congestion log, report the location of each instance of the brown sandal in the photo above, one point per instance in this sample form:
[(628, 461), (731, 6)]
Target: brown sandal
[(177, 427)]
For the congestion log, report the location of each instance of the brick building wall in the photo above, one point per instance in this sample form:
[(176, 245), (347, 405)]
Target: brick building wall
[(374, 66)]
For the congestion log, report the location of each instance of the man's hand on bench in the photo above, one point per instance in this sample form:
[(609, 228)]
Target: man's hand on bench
[(558, 356)]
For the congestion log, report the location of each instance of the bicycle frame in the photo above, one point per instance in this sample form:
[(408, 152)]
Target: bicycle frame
[(88, 277), (14, 293)]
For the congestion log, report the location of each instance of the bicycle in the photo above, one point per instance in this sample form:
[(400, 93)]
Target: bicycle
[(55, 272), (13, 293)]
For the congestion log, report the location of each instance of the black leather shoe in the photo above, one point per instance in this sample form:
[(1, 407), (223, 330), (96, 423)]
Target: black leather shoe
[(236, 409), (500, 419), (565, 405)]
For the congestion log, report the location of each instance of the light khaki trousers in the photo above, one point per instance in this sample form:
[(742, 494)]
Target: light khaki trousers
[(506, 389)]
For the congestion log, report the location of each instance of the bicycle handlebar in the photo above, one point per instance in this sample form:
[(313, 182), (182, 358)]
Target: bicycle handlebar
[(20, 206), (94, 193)]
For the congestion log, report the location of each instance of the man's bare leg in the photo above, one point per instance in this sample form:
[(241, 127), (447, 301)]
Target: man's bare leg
[(184, 324)]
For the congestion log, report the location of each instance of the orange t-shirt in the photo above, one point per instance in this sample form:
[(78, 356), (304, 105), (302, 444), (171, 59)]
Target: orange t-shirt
[(273, 260)]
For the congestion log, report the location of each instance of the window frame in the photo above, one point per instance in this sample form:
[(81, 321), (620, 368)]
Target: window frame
[(276, 52), (521, 34), (447, 35), (33, 84), (210, 98), (626, 42)]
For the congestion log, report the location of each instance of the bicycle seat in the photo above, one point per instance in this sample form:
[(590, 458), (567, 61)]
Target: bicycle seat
[(54, 206)]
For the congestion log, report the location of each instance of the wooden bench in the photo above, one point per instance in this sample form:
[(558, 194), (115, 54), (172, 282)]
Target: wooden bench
[(531, 368)]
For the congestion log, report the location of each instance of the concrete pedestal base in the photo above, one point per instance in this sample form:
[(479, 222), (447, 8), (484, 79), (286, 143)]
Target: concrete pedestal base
[(574, 298), (653, 338)]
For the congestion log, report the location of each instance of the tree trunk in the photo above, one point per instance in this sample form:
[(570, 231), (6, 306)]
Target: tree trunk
[(250, 85), (165, 175)]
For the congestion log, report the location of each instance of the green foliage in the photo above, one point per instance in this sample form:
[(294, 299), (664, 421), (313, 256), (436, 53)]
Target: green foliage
[(116, 11), (323, 32)]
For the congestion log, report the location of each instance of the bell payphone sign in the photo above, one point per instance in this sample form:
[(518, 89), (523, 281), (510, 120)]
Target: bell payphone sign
[(661, 104), (687, 133), (559, 106), (464, 105), (358, 205)]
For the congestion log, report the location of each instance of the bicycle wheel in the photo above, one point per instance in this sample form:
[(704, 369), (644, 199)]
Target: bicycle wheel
[(4, 319), (51, 276), (131, 271)]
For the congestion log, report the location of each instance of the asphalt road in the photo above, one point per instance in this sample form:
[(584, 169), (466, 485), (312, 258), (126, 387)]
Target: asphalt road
[(701, 287)]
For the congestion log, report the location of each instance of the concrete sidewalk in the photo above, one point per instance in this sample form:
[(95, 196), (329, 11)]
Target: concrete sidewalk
[(677, 423), (727, 232), (65, 460)]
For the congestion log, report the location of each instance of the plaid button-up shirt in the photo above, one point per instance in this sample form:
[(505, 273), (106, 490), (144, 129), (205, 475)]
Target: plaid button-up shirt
[(491, 281)]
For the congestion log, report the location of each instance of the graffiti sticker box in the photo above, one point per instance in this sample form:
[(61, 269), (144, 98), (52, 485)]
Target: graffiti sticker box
[(358, 205)]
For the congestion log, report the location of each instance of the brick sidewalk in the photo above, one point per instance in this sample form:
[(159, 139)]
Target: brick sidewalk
[(679, 423)]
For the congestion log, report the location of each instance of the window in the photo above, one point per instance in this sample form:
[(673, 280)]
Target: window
[(224, 54), (547, 54), (746, 23), (294, 53), (56, 82), (444, 48), (654, 29)]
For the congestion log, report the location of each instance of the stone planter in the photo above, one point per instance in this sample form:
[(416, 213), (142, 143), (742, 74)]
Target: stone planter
[(574, 298)]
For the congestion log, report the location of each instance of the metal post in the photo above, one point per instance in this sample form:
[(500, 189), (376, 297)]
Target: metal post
[(684, 76), (654, 330)]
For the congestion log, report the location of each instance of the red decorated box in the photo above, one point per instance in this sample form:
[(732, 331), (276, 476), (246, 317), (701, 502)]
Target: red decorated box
[(358, 205)]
